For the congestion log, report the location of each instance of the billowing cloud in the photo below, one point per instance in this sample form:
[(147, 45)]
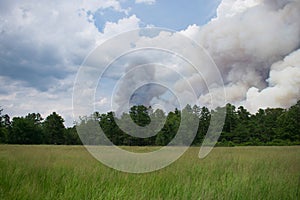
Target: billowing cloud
[(245, 40), (283, 85), (229, 8), (125, 24), (154, 56)]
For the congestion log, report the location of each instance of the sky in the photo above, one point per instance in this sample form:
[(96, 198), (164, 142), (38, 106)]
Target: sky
[(254, 45)]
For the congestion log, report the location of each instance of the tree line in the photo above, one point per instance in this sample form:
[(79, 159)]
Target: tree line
[(33, 129), (271, 126)]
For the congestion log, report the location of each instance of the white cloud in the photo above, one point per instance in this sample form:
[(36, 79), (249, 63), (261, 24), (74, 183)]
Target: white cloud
[(229, 8), (126, 24), (94, 5), (284, 85), (20, 100), (42, 45), (149, 2)]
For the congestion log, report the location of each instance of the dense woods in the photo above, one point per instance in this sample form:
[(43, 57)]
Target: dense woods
[(271, 126)]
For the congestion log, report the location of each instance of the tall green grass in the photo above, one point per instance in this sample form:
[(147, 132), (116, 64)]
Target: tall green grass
[(70, 172)]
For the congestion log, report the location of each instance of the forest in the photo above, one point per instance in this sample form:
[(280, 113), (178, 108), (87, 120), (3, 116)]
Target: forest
[(271, 126)]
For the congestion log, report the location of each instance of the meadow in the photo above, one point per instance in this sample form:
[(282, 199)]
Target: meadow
[(70, 172)]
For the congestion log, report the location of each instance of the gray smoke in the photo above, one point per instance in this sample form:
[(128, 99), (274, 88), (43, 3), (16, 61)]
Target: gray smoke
[(250, 41), (136, 86), (254, 44)]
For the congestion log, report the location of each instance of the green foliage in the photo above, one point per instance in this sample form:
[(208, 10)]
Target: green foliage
[(54, 129), (204, 121), (26, 130), (271, 126), (289, 124), (3, 135), (4, 127), (139, 114), (231, 118), (169, 129), (71, 137)]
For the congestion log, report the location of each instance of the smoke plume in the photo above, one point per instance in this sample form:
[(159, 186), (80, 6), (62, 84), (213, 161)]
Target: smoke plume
[(254, 43)]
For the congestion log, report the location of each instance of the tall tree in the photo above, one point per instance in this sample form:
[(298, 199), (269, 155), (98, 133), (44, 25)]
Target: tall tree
[(289, 124), (231, 118), (204, 121), (139, 114), (26, 130), (4, 127), (110, 128), (242, 131), (71, 136), (169, 129), (54, 129), (189, 125)]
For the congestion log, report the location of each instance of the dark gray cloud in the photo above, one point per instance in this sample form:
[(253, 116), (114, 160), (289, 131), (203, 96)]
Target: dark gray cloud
[(41, 44), (38, 74)]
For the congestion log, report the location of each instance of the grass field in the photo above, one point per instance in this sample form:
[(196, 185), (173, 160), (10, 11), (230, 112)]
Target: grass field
[(70, 172)]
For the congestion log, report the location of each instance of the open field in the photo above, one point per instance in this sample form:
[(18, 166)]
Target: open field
[(70, 172)]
